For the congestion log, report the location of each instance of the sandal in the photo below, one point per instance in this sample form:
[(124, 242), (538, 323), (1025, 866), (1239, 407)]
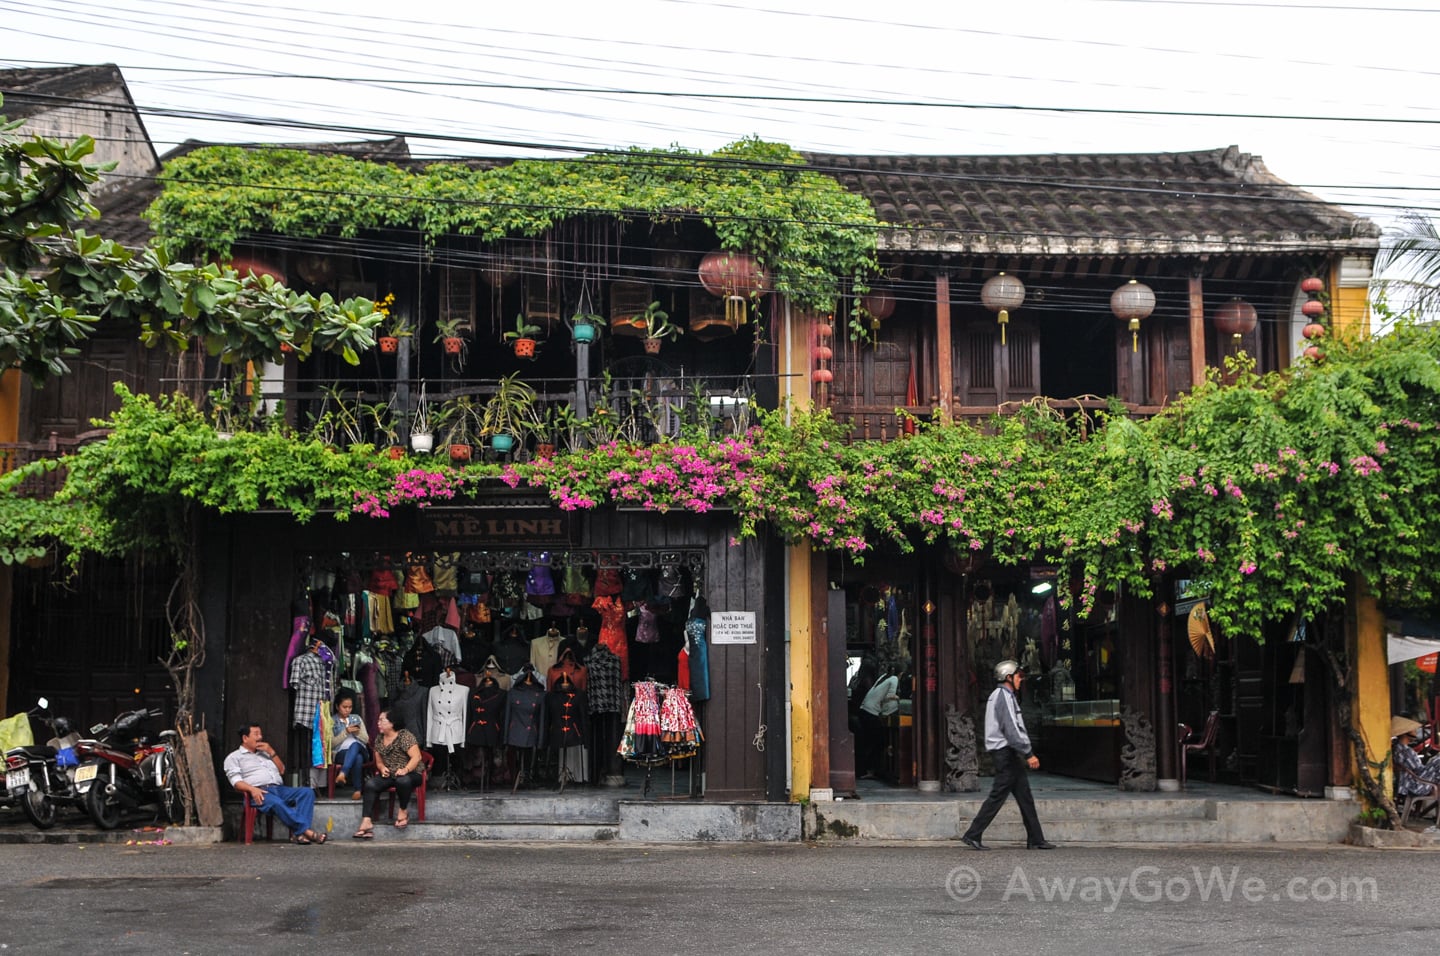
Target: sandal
[(363, 835), (402, 824), (320, 839), (302, 839)]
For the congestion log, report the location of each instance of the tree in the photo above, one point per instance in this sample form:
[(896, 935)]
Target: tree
[(1413, 258), (57, 282)]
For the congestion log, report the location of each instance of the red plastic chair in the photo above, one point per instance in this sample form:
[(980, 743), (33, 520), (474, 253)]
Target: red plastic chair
[(248, 823), (1204, 744), (427, 760)]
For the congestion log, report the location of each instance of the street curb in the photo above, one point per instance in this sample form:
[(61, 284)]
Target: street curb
[(150, 836), (1391, 839)]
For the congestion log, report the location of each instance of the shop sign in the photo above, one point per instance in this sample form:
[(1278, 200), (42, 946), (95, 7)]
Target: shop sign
[(458, 529), (1427, 663), (732, 627)]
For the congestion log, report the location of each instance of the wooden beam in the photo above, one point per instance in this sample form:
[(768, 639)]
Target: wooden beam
[(944, 368), (1197, 332)]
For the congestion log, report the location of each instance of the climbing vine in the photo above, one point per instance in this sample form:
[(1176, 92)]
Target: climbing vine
[(813, 235)]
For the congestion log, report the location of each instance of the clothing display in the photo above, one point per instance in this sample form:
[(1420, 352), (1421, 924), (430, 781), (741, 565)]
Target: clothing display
[(603, 681), (525, 713), (566, 715), (544, 651), (612, 630), (697, 649), (566, 668), (307, 680), (486, 714), (445, 715), (410, 705)]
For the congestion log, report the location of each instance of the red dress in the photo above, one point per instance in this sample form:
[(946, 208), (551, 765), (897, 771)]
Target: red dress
[(612, 630)]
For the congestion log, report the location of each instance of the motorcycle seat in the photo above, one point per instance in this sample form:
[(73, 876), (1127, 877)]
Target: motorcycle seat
[(38, 752)]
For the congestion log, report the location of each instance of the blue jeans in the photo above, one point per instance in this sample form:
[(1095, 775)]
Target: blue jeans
[(352, 763), (292, 806)]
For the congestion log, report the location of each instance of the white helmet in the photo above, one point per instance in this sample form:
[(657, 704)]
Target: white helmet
[(1004, 669)]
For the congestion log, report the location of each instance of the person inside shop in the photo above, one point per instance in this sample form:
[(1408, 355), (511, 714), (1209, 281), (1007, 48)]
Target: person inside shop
[(882, 700), (350, 742), (256, 770), (1413, 777), (1009, 747), (397, 763)]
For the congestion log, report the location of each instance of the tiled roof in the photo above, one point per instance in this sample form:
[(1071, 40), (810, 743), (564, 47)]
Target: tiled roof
[(31, 91), (1135, 204)]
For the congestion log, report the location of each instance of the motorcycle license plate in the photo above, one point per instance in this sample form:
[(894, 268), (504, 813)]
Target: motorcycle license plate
[(17, 781), (87, 773)]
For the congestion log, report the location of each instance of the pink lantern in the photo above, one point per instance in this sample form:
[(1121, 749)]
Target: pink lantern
[(879, 303), (823, 376), (1311, 285), (823, 353), (735, 276), (1235, 318), (1314, 308), (1312, 352), (1313, 331)]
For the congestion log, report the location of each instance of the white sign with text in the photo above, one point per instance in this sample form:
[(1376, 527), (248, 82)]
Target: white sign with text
[(732, 627)]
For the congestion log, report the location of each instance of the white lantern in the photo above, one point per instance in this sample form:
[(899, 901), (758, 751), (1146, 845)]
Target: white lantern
[(1132, 302), (1000, 294)]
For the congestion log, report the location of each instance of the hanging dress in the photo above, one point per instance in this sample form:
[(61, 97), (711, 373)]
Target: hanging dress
[(612, 630), (642, 732), (679, 732)]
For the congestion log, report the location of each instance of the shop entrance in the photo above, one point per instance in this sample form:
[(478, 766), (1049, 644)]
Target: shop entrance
[(516, 669)]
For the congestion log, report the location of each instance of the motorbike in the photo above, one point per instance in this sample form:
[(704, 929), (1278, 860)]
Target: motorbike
[(39, 778), (121, 771)]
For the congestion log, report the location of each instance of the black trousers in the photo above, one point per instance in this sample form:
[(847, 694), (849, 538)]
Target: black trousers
[(1012, 776)]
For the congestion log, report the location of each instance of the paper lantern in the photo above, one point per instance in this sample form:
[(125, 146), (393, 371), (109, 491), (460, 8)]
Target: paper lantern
[(1311, 285), (1131, 303), (1000, 294), (1313, 331), (879, 303), (1313, 308), (736, 277), (1235, 318)]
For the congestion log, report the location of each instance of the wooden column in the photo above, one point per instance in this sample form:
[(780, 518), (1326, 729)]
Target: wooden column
[(1165, 745), (944, 371), (928, 742), (1197, 332)]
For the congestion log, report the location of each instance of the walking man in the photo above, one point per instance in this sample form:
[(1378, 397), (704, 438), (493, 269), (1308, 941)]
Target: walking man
[(1009, 747)]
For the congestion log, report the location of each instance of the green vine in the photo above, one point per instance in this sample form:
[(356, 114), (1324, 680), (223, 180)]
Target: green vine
[(814, 236)]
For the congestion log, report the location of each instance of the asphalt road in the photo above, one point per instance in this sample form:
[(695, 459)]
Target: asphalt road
[(626, 898)]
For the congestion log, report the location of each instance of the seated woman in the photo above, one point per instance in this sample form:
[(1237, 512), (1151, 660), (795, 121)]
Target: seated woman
[(1413, 778), (397, 759), (350, 741)]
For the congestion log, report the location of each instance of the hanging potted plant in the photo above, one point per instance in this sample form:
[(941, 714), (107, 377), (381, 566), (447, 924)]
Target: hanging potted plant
[(585, 326), (658, 327), (464, 422), (511, 414), (423, 424), (386, 425), (447, 333), (522, 337), (396, 327)]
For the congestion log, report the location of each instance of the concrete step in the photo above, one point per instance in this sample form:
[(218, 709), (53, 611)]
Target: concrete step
[(528, 832)]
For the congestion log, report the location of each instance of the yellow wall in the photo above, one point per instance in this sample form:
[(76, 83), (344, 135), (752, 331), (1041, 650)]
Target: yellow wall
[(1370, 703), (795, 360), (1350, 301), (10, 405)]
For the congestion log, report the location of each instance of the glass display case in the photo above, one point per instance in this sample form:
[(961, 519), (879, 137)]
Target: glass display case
[(1081, 738), (1081, 713)]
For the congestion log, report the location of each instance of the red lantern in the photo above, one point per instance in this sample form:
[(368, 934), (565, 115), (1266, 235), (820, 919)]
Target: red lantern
[(823, 331), (1314, 308), (1312, 352), (879, 303), (736, 277), (247, 266), (1311, 285), (823, 353), (823, 376), (1236, 318), (1313, 331)]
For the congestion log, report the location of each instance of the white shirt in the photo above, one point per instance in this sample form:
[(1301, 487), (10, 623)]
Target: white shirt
[(882, 700), (445, 716), (254, 768)]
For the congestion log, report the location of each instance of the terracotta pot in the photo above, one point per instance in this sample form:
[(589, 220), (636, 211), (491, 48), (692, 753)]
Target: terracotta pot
[(544, 449), (389, 343), (286, 347), (395, 452), (459, 452), (524, 348), (652, 346), (454, 345)]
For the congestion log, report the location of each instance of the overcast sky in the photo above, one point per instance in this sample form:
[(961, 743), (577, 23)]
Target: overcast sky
[(1066, 76)]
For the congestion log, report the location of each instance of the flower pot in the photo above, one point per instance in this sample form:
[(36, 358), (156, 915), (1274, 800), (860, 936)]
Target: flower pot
[(389, 343), (422, 442), (502, 443), (584, 332), (395, 452), (652, 346), (224, 436), (544, 449), (286, 347), (524, 348), (459, 452), (454, 345)]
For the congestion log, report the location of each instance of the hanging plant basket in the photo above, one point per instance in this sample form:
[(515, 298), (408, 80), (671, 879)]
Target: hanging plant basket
[(389, 343), (396, 452), (584, 332), (453, 344), (524, 348), (652, 346), (422, 442), (544, 449), (459, 452), (502, 443)]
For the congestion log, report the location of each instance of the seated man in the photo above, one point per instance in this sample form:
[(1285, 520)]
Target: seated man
[(1413, 778), (256, 769)]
